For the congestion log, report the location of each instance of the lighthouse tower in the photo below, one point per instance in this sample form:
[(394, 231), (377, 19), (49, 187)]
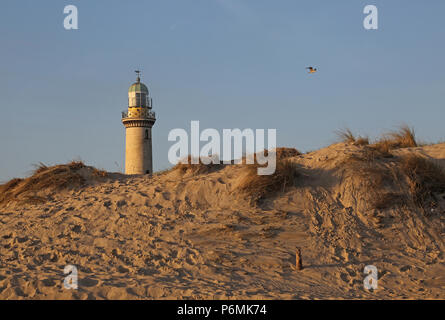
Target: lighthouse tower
[(138, 121)]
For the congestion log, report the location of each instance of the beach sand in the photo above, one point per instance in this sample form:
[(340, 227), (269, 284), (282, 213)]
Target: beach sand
[(188, 236)]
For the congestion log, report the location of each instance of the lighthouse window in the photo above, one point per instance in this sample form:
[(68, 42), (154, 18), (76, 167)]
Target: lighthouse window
[(141, 99), (146, 134)]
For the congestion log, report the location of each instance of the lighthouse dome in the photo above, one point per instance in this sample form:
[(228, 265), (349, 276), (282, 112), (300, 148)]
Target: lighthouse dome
[(138, 87)]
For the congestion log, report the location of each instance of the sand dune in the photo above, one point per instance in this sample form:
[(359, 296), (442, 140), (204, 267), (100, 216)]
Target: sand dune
[(180, 235)]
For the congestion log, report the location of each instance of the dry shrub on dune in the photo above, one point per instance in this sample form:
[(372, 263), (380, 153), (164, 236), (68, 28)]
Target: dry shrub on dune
[(254, 185), (425, 179), (258, 187), (393, 182), (55, 177), (51, 178), (6, 189), (386, 188), (370, 169), (196, 169), (404, 137), (281, 153), (347, 136), (385, 200), (76, 165), (367, 155), (99, 173), (201, 168)]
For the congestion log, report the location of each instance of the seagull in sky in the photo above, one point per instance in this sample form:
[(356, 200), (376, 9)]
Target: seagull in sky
[(311, 70)]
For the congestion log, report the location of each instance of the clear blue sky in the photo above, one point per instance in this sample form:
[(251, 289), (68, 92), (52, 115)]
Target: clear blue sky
[(227, 63)]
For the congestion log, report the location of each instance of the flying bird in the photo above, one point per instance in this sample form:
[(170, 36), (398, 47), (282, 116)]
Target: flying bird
[(311, 70)]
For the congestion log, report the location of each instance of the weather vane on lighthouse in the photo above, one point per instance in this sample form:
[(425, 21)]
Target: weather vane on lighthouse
[(138, 72)]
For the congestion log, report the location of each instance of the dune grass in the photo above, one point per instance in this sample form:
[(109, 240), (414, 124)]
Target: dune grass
[(201, 168), (283, 153), (255, 186), (425, 179), (280, 153), (196, 169), (404, 137), (347, 136), (44, 177), (394, 181), (370, 169), (258, 187)]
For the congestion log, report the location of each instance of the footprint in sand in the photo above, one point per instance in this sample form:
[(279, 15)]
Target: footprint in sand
[(351, 277), (344, 277), (166, 195), (77, 229), (351, 272), (49, 282), (405, 268), (121, 203), (22, 239), (107, 204)]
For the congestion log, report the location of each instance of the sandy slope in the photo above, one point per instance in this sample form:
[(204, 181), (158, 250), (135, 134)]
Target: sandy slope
[(173, 236)]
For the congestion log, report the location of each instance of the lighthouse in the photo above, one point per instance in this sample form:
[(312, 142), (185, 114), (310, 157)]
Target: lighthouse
[(138, 121)]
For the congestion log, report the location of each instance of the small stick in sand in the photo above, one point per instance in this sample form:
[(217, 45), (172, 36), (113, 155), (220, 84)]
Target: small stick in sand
[(298, 260)]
